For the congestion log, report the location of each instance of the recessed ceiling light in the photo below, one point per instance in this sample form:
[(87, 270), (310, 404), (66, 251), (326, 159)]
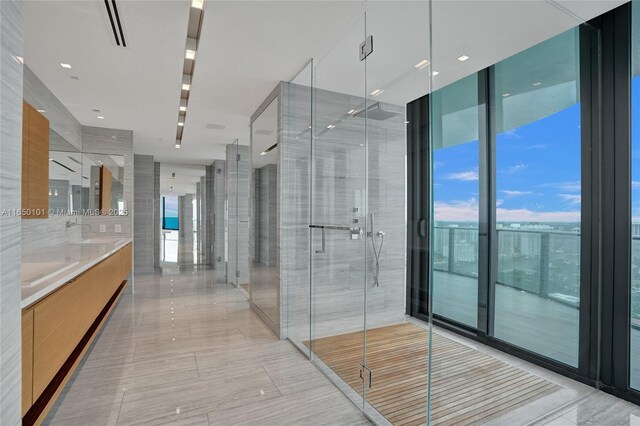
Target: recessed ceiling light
[(177, 146), (435, 73), (41, 110), (423, 63), (101, 117), (376, 92), (63, 65), (186, 82), (504, 95), (463, 58), (537, 83), (351, 111), (406, 122), (180, 123), (190, 51), (198, 4), (331, 126), (183, 104)]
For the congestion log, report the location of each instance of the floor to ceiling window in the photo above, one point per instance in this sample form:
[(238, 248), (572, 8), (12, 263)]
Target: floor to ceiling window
[(455, 194), (538, 198), (635, 197)]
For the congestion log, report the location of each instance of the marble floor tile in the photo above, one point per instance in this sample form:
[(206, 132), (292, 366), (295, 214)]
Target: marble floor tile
[(186, 349)]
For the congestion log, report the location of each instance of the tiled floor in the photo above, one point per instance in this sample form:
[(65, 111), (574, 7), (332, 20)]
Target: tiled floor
[(186, 349)]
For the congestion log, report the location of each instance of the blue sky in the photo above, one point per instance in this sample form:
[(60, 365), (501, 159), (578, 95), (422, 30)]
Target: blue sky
[(537, 171)]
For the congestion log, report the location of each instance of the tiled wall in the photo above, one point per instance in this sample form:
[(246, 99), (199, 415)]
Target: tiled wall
[(340, 274), (143, 207), (238, 208), (185, 233), (100, 140), (11, 43)]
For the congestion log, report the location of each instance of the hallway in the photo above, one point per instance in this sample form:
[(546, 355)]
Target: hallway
[(186, 349)]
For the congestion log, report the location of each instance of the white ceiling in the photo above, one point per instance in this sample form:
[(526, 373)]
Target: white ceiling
[(247, 47), (187, 175)]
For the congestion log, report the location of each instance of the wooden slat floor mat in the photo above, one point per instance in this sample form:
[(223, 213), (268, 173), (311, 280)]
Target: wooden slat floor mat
[(468, 387)]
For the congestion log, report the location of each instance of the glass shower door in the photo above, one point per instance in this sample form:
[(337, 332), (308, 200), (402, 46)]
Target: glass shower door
[(397, 351), (338, 213)]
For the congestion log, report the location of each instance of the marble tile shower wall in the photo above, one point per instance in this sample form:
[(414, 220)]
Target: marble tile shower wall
[(52, 231), (340, 274), (238, 216), (11, 43), (100, 140), (266, 196)]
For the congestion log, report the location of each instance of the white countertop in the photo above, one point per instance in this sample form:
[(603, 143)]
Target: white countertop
[(47, 269)]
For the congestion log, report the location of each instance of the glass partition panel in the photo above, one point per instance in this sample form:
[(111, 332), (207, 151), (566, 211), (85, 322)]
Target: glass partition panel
[(338, 209), (295, 196), (396, 350), (538, 197), (264, 284), (635, 196)]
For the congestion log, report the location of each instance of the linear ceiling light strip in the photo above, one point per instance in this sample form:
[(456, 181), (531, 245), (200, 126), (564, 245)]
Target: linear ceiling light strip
[(196, 14)]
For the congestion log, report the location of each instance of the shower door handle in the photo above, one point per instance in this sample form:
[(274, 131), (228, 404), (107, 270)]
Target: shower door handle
[(324, 243), (337, 227)]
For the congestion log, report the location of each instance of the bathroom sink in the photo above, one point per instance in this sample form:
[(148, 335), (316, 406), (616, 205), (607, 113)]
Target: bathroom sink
[(102, 241), (43, 270)]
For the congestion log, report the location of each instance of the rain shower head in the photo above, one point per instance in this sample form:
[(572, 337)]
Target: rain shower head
[(375, 112)]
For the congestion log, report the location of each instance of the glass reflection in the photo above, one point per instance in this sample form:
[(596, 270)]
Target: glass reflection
[(538, 198)]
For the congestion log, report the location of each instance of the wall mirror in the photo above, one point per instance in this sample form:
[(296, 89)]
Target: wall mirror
[(65, 176), (102, 177)]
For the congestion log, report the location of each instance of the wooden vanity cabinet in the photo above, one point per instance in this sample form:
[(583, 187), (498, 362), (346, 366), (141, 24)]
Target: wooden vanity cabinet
[(58, 329), (35, 163)]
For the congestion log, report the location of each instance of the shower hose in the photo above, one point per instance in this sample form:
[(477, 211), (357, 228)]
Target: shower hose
[(376, 253)]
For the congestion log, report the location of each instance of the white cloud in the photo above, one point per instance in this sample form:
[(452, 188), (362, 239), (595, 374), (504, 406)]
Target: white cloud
[(464, 176), (635, 184), (459, 210), (467, 210), (524, 215), (514, 169), (572, 186), (541, 146), (571, 198), (509, 193)]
